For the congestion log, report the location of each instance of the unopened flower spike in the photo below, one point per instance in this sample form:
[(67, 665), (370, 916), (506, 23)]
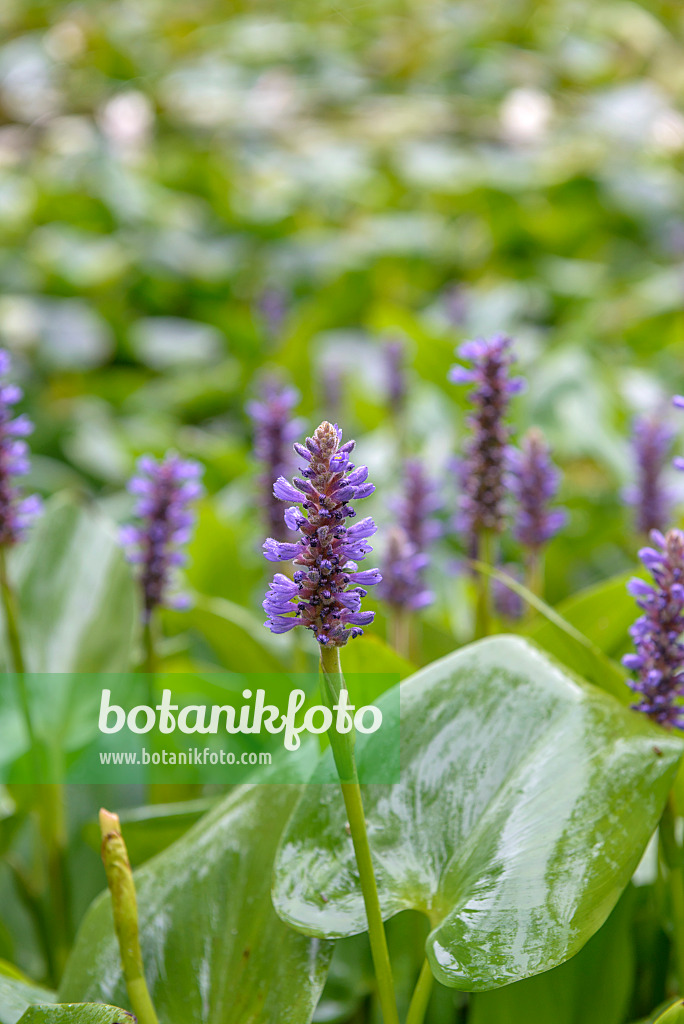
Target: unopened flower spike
[(327, 587), (533, 481), (165, 491), (650, 497), (16, 511), (275, 429), (659, 658), (481, 472)]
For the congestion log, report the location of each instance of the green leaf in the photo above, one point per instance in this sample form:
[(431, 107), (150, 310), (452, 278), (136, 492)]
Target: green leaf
[(17, 995), (237, 637), (593, 987), (673, 1015), (76, 1013), (77, 597), (215, 951), (565, 641), (603, 613), (527, 798)]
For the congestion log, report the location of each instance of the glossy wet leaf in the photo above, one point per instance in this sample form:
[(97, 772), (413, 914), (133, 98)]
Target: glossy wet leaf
[(77, 1013), (673, 1015), (77, 596), (17, 995), (215, 951), (527, 798), (593, 987)]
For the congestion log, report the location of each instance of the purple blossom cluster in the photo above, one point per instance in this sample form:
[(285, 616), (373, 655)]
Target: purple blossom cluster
[(164, 492), (275, 430), (325, 592), (395, 357), (659, 658), (16, 512), (483, 467), (406, 555), (402, 583), (533, 481), (650, 497)]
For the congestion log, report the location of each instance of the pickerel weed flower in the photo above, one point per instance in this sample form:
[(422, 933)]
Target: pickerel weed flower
[(507, 602), (406, 556), (402, 583), (482, 469), (16, 512), (650, 497), (275, 429), (533, 480), (164, 492), (678, 402), (395, 356), (325, 593), (659, 658), (417, 506)]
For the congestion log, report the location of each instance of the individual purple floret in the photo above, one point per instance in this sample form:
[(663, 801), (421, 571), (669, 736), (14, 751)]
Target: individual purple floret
[(325, 593), (16, 512), (659, 658), (402, 573), (395, 356), (275, 430), (164, 492), (650, 497), (533, 480), (482, 470)]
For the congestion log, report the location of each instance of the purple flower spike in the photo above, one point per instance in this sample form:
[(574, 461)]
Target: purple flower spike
[(326, 590), (274, 431), (164, 491), (508, 603), (482, 469), (533, 481), (406, 556), (402, 573), (16, 512), (659, 658), (417, 506), (651, 499), (395, 357)]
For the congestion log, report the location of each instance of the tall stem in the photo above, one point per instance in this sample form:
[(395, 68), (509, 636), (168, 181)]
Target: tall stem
[(421, 995), (401, 632), (49, 796), (343, 751), (486, 555), (535, 574), (672, 854), (151, 656)]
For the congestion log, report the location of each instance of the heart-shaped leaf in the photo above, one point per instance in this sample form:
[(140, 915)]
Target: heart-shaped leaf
[(76, 1013), (77, 596), (215, 951), (526, 801)]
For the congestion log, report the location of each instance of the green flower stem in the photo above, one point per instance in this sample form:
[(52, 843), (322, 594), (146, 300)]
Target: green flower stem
[(535, 574), (400, 624), (151, 655), (50, 797), (483, 608), (674, 860), (125, 912), (421, 995), (343, 751)]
